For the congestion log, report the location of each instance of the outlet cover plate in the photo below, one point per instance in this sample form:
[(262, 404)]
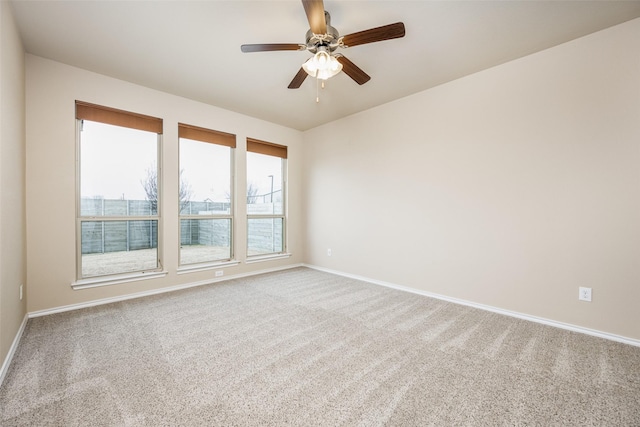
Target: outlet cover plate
[(584, 294)]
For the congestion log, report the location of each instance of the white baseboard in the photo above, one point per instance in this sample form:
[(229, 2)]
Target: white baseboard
[(110, 300), (12, 349), (523, 316)]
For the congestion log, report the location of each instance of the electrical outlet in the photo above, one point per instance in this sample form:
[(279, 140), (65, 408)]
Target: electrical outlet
[(219, 273), (328, 252), (584, 294), (20, 292)]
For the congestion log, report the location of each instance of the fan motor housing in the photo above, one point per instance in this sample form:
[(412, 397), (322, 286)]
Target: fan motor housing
[(329, 40)]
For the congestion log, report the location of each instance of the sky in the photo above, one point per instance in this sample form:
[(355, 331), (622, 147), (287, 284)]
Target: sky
[(114, 161)]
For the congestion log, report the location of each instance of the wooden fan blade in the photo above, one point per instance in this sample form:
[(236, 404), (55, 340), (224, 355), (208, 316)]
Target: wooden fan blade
[(353, 71), (386, 32), (298, 79), (269, 47), (315, 14)]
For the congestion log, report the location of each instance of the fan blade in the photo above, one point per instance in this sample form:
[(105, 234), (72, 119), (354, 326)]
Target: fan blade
[(353, 71), (269, 47), (298, 79), (378, 34), (315, 14)]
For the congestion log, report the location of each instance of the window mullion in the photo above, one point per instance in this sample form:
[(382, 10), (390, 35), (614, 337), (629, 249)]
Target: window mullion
[(119, 218), (206, 216)]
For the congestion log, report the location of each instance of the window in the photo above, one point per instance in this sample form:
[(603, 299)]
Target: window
[(117, 209), (266, 166), (206, 195)]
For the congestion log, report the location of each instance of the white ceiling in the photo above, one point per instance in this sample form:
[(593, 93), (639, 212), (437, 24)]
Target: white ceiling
[(192, 48)]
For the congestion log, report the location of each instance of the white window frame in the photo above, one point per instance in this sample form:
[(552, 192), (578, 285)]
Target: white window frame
[(283, 216), (128, 276), (209, 136)]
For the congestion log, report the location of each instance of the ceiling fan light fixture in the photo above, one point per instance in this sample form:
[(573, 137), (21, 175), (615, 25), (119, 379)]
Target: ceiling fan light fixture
[(322, 40), (322, 65)]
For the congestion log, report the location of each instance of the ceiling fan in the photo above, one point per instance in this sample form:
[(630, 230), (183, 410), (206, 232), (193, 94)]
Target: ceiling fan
[(322, 40)]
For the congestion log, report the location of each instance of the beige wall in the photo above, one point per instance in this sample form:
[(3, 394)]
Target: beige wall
[(511, 187), (52, 89), (12, 181)]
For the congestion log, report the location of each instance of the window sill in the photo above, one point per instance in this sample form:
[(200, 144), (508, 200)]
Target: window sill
[(263, 258), (115, 280), (193, 268)]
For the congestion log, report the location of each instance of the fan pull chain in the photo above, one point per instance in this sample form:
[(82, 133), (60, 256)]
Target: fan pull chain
[(318, 89)]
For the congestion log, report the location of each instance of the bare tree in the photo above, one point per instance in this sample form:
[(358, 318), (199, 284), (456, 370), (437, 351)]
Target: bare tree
[(184, 193), (150, 186), (252, 193)]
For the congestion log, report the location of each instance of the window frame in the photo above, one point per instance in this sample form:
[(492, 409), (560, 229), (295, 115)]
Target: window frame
[(275, 150), (111, 116), (209, 136)]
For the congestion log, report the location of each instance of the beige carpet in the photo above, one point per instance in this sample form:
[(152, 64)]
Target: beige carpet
[(305, 348)]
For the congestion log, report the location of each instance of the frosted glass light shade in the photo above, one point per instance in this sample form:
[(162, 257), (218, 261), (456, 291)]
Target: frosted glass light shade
[(322, 65)]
